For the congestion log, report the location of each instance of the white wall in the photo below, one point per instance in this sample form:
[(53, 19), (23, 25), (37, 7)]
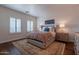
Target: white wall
[(62, 13), (69, 15), (5, 15), (72, 25)]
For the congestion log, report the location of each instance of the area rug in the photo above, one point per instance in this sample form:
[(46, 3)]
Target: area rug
[(56, 48)]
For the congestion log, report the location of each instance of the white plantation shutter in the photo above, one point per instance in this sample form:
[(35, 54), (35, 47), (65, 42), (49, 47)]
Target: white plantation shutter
[(18, 26), (29, 26), (15, 25), (12, 25)]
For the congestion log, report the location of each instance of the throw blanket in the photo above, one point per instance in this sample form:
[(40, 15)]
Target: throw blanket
[(41, 36)]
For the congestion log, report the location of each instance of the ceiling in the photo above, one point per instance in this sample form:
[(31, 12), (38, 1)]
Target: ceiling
[(47, 10)]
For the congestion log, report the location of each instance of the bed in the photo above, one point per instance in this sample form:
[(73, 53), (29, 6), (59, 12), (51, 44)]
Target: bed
[(41, 39)]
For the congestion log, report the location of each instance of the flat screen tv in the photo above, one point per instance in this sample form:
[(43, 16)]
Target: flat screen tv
[(52, 21)]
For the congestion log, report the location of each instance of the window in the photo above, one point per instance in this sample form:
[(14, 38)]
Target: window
[(15, 25), (18, 26), (29, 26), (12, 25)]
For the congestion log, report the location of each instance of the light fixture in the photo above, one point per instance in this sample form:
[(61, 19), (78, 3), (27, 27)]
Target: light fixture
[(61, 25), (26, 12)]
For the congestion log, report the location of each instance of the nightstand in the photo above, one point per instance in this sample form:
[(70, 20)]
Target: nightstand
[(62, 37)]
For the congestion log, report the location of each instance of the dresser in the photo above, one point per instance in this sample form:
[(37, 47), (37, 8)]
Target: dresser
[(62, 37)]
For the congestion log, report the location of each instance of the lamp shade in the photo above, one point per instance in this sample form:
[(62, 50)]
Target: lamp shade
[(61, 25)]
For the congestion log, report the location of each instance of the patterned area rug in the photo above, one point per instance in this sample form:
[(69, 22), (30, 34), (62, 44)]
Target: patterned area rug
[(56, 48)]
